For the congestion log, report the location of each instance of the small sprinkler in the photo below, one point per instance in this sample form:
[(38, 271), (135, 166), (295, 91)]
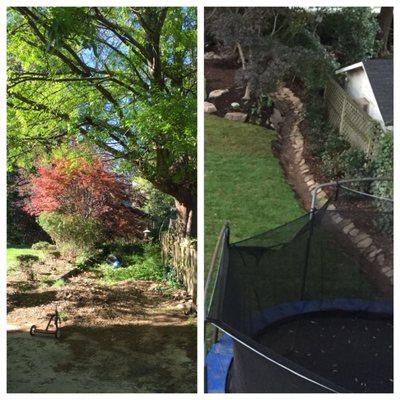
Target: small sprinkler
[(56, 320)]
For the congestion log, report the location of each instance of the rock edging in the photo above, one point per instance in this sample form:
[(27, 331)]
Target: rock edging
[(362, 241)]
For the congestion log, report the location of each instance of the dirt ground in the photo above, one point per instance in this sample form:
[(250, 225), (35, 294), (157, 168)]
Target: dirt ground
[(128, 337), (220, 75)]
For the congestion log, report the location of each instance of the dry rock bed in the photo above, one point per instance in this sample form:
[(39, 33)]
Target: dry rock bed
[(128, 337)]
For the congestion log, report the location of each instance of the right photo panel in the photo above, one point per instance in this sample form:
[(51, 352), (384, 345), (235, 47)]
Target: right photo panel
[(298, 199)]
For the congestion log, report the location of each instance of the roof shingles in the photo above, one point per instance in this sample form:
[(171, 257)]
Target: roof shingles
[(380, 75)]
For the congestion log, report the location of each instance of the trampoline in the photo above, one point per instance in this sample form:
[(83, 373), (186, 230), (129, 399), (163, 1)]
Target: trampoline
[(299, 309)]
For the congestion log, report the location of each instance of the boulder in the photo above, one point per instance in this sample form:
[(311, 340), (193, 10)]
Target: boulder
[(209, 108), (210, 55), (236, 116), (276, 118), (217, 93), (235, 106)]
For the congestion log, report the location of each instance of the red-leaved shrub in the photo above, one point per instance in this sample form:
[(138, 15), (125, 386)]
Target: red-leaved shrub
[(82, 188)]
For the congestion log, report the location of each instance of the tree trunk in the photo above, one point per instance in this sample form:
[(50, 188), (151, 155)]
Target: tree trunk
[(247, 94), (186, 221), (385, 19)]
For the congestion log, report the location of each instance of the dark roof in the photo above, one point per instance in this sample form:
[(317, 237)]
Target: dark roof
[(380, 75)]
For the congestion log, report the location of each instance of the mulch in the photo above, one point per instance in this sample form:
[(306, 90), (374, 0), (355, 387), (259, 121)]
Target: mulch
[(222, 75)]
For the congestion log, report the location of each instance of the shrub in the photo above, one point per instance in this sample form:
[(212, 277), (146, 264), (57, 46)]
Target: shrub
[(352, 32), (146, 266), (26, 260), (41, 246), (80, 203), (54, 254), (354, 163), (383, 166), (73, 235), (335, 144)]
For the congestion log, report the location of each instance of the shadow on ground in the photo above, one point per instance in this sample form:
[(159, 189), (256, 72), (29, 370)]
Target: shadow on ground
[(112, 359)]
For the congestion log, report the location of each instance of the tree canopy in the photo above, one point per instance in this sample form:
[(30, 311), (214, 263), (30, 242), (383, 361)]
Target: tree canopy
[(122, 79), (281, 43)]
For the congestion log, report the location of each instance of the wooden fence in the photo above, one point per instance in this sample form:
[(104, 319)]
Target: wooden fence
[(181, 254), (350, 119)]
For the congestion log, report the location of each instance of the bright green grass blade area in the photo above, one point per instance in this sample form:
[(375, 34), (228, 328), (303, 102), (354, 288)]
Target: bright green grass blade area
[(244, 182), (13, 253)]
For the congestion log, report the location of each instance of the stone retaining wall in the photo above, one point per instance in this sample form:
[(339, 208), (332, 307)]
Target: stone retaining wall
[(361, 240)]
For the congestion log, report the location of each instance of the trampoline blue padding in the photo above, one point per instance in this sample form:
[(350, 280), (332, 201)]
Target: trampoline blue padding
[(291, 309), (220, 356), (218, 360)]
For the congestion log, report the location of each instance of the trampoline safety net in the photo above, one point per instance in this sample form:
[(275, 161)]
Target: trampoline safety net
[(306, 308)]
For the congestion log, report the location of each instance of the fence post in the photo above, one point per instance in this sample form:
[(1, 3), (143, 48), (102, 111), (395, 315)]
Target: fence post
[(342, 115), (181, 254)]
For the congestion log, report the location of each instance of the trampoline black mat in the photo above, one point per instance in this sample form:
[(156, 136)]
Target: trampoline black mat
[(353, 350), (309, 265)]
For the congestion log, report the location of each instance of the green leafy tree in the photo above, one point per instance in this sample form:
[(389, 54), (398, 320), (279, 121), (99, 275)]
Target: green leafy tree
[(385, 34), (122, 79), (273, 43), (351, 32)]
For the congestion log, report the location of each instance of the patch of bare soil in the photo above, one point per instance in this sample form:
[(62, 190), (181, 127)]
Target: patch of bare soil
[(220, 74), (128, 337)]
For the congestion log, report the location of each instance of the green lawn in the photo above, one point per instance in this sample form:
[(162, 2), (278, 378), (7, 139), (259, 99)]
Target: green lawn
[(13, 253), (244, 182)]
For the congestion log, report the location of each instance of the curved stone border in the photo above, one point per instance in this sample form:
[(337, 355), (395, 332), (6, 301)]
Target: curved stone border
[(362, 241)]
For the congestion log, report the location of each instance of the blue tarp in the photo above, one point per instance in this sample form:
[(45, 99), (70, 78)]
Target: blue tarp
[(221, 353), (218, 360)]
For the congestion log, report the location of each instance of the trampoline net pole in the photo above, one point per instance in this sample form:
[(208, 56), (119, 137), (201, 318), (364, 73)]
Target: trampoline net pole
[(304, 297), (307, 256)]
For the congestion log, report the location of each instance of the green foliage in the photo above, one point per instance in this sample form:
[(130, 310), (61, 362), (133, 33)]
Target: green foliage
[(338, 158), (72, 234), (26, 260), (63, 315), (86, 261), (351, 32), (156, 203), (146, 266), (42, 246), (45, 282), (14, 253), (355, 163), (58, 283), (22, 229), (122, 79), (383, 166), (279, 44), (261, 110)]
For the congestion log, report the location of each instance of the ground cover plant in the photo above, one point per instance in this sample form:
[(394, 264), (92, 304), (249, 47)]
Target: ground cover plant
[(14, 253), (144, 264)]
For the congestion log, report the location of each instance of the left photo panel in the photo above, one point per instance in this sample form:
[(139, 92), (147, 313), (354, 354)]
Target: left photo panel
[(101, 200)]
